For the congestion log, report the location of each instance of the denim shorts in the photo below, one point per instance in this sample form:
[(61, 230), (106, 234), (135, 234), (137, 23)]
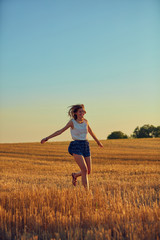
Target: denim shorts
[(80, 147)]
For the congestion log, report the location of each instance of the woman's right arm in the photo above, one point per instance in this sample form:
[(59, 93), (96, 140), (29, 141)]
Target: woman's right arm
[(69, 124)]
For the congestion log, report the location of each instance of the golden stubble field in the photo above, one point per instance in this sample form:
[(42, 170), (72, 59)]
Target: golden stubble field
[(38, 201)]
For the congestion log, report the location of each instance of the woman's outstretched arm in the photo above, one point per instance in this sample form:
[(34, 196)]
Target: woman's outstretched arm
[(69, 124), (94, 136)]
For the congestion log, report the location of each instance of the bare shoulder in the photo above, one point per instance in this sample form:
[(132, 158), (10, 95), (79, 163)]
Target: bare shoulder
[(86, 121), (70, 123)]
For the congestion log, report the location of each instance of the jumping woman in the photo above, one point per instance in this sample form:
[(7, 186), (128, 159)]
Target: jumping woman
[(79, 147)]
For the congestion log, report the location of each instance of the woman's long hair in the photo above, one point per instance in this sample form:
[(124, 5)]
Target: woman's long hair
[(73, 109)]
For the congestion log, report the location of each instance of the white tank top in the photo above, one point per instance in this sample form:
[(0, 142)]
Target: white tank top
[(80, 130)]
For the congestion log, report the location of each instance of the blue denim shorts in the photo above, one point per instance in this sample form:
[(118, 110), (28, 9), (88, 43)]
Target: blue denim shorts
[(80, 147)]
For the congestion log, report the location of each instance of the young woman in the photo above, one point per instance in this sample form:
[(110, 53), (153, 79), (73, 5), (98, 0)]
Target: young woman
[(79, 147)]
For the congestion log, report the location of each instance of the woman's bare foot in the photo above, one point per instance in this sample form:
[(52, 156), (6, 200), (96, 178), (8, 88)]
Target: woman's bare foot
[(74, 179)]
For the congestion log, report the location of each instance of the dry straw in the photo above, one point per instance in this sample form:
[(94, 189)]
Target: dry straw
[(37, 200)]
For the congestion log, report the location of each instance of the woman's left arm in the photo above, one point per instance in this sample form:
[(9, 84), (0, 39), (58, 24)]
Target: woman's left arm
[(94, 136)]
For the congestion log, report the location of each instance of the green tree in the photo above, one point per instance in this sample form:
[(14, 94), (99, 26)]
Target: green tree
[(157, 132), (146, 131), (136, 132), (117, 135)]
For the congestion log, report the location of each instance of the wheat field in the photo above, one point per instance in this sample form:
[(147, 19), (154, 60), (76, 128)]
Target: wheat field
[(38, 200)]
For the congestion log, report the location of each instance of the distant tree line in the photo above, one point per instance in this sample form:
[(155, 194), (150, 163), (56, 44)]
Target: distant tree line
[(146, 131)]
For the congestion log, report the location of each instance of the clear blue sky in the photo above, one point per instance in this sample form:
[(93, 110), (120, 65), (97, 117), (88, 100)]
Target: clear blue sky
[(104, 54)]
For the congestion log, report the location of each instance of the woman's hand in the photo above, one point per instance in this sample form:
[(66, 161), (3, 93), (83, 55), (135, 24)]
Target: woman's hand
[(44, 140), (100, 144)]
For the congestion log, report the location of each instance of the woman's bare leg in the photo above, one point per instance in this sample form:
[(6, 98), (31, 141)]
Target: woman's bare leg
[(78, 174), (88, 161), (84, 170)]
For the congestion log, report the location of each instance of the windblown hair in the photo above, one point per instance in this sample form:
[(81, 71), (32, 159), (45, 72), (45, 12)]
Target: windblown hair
[(73, 109)]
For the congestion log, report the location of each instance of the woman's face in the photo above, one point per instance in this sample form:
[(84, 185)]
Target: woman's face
[(80, 113)]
